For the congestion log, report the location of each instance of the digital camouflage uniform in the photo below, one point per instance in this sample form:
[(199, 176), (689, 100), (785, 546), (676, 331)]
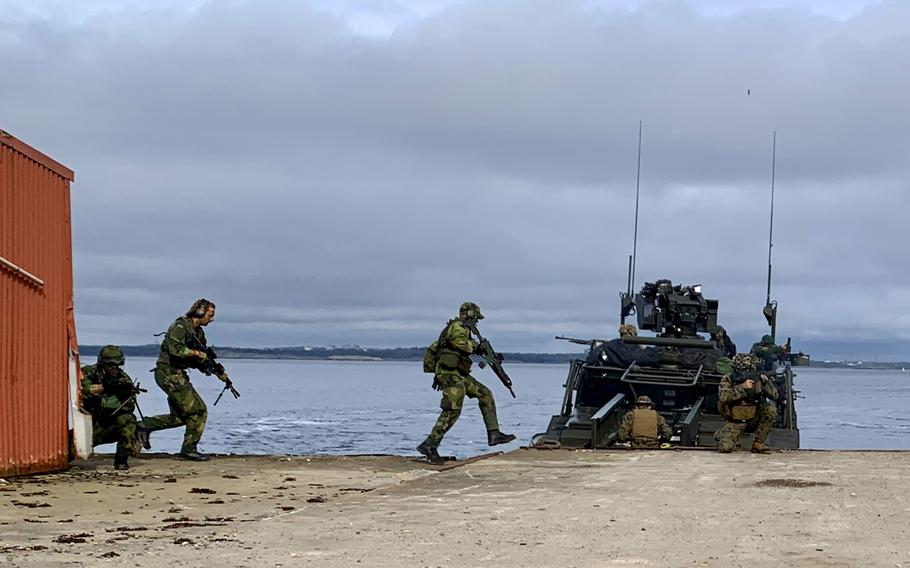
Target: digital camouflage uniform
[(112, 410), (186, 406), (731, 394), (644, 427), (452, 375)]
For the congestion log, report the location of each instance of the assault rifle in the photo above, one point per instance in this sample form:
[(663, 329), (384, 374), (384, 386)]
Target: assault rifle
[(490, 357), (211, 366), (133, 390)]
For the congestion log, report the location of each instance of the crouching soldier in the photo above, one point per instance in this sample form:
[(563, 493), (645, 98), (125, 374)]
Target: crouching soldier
[(109, 395), (643, 426), (745, 400)]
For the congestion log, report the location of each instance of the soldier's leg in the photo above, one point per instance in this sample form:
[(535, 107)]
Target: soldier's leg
[(127, 443), (169, 383), (195, 422), (453, 392), (484, 396), (728, 436), (766, 415)]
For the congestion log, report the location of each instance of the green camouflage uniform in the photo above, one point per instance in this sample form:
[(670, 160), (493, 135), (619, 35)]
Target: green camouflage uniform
[(730, 394), (452, 375), (767, 352), (112, 420), (187, 407), (625, 432)]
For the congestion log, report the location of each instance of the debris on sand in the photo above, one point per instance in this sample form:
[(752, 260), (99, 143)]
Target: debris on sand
[(791, 483), (30, 505), (203, 491), (76, 538), (316, 499), (110, 554)]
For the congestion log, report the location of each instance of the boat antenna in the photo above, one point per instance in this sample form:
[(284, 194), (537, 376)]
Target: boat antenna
[(627, 302), (770, 309), (635, 233)]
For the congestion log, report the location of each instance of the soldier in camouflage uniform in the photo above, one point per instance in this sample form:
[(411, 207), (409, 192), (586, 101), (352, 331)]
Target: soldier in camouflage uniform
[(453, 367), (643, 426), (108, 394), (743, 400), (182, 349), (767, 352)]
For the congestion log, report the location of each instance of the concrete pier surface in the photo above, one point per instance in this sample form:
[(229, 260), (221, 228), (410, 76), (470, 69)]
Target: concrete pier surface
[(525, 508)]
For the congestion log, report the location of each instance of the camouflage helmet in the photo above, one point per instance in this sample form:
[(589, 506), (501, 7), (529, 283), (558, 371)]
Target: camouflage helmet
[(767, 340), (743, 362), (627, 329), (470, 310), (644, 400), (724, 365), (110, 355)]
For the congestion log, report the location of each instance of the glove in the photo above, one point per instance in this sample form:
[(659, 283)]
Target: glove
[(202, 356), (437, 386), (478, 350)]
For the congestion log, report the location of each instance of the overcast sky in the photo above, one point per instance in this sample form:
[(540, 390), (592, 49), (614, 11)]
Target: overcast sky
[(350, 172)]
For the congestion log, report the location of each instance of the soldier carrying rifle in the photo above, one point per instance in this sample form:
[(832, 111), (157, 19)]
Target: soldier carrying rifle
[(449, 359), (184, 347)]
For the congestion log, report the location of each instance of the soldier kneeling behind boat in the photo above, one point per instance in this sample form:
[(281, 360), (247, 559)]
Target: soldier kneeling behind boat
[(745, 399), (643, 426)]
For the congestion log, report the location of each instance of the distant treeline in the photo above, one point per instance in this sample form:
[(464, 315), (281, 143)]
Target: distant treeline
[(326, 353)]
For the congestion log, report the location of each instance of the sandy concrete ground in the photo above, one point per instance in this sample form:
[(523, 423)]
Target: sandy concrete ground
[(525, 508)]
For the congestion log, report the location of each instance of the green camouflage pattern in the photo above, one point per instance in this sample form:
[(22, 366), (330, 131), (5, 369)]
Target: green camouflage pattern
[(455, 387), (728, 392), (174, 350), (187, 407), (625, 432), (455, 347)]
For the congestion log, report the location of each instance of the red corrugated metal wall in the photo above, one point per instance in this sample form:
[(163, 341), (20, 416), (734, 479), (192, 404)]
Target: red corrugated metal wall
[(35, 235)]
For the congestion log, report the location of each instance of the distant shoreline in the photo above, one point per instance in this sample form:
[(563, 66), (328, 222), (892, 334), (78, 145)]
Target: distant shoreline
[(415, 354)]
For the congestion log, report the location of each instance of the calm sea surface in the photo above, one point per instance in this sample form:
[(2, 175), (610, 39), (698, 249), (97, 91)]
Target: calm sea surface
[(328, 407)]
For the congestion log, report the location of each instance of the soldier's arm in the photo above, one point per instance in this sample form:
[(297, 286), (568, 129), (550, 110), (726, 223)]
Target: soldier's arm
[(728, 392), (87, 383), (625, 427), (770, 389), (460, 338), (176, 339)]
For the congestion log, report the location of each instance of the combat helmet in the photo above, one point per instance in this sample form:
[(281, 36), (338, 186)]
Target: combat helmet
[(110, 355), (627, 329), (744, 362), (644, 400), (470, 310)]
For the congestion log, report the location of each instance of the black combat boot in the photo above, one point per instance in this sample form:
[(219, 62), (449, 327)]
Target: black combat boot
[(120, 463), (430, 453), (495, 437), (194, 456)]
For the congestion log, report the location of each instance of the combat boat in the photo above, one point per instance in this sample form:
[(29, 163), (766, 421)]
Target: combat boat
[(676, 367)]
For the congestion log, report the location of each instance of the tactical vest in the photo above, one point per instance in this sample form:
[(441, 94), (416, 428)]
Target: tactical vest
[(644, 425), (449, 358)]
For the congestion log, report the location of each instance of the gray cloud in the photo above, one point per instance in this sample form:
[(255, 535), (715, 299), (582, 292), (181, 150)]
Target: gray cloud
[(325, 186)]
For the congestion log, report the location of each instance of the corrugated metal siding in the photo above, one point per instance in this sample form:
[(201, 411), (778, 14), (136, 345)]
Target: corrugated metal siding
[(35, 234)]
